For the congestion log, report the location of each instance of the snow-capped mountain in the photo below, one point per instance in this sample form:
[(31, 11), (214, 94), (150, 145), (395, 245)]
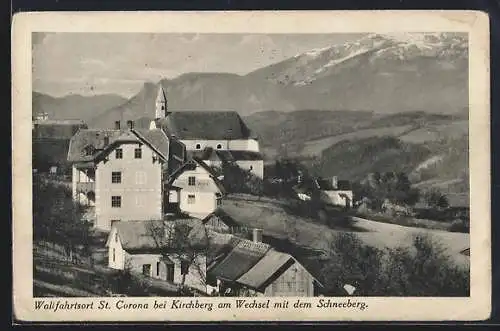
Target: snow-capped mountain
[(306, 67), (383, 73)]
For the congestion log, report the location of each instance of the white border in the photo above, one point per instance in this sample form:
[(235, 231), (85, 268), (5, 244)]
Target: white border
[(476, 307)]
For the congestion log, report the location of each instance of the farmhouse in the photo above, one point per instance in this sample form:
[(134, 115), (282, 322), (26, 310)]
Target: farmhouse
[(241, 267), (172, 250), (119, 174), (335, 192), (194, 189)]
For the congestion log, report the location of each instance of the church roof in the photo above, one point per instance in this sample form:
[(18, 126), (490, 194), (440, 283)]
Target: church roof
[(208, 125)]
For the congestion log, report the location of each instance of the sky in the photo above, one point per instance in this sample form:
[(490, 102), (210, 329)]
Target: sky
[(120, 63)]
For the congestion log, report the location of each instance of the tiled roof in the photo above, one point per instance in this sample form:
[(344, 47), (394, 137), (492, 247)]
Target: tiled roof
[(95, 140), (191, 165), (239, 260), (253, 264), (210, 154), (272, 263), (156, 138), (89, 137), (150, 236), (56, 129), (246, 156), (209, 125)]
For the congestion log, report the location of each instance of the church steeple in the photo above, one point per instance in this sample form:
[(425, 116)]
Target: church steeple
[(161, 103)]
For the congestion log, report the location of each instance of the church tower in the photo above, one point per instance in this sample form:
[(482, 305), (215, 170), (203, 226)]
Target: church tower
[(161, 103)]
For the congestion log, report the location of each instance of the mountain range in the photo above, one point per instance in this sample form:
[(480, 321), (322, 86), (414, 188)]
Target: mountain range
[(379, 73), (413, 87)]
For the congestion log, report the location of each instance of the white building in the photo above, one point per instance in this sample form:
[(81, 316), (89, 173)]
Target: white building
[(194, 189), (119, 174), (156, 249), (217, 130)]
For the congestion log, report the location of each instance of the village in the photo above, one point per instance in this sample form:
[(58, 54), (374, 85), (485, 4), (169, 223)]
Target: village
[(180, 200)]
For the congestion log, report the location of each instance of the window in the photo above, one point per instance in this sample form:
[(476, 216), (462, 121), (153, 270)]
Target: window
[(146, 269), (116, 201), (114, 255), (191, 180), (219, 146), (139, 200), (184, 267), (138, 153), (140, 177), (116, 236), (114, 222), (119, 153), (158, 268), (198, 146), (116, 177), (191, 199)]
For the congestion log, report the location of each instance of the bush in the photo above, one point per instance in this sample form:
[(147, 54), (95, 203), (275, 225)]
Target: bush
[(460, 225), (422, 269)]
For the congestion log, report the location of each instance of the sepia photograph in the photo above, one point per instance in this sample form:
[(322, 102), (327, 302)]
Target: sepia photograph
[(250, 165)]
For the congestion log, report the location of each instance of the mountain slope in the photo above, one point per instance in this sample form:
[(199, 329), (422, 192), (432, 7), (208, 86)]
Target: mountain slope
[(380, 73), (74, 106), (199, 91), (383, 73)]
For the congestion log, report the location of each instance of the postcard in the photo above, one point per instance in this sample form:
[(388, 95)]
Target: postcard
[(251, 166)]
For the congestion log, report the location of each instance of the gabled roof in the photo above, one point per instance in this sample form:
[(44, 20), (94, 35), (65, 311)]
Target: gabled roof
[(191, 164), (148, 236), (96, 139), (253, 264), (239, 260), (266, 268), (89, 137), (208, 125)]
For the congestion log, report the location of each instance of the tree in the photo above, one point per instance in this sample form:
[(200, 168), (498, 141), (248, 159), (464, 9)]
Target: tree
[(436, 199), (420, 269), (183, 242), (238, 180), (394, 187), (57, 218)]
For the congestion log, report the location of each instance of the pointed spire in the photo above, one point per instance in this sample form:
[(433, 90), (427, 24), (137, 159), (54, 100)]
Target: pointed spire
[(162, 95), (161, 103)]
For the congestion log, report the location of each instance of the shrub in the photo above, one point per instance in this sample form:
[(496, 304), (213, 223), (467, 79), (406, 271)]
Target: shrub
[(460, 225), (422, 269)]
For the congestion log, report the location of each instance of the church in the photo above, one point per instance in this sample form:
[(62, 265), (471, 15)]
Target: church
[(222, 135)]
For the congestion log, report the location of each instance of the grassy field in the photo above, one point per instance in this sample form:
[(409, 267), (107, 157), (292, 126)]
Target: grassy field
[(276, 221), (315, 147), (55, 276)]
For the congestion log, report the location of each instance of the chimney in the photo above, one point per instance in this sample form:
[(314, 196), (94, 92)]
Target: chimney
[(257, 235), (335, 182), (117, 125), (130, 124)]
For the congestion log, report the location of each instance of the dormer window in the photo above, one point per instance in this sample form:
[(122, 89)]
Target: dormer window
[(198, 146), (219, 146)]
